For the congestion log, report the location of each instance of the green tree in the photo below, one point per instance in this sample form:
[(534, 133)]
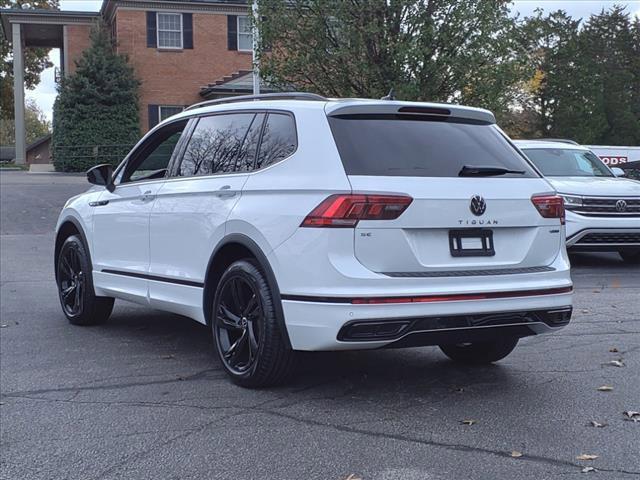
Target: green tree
[(635, 67), (36, 125), (96, 106), (466, 51), (610, 42), (563, 95), (35, 59)]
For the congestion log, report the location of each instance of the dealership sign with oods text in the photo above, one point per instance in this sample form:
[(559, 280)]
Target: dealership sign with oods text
[(614, 156)]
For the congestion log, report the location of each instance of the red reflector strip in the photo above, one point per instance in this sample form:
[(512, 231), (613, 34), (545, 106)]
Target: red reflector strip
[(460, 296)]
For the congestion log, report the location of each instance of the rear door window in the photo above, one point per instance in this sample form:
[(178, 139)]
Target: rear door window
[(412, 146), (215, 144), (278, 139), (247, 154)]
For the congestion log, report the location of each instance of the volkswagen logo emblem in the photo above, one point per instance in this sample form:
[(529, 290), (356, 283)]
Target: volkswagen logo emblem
[(621, 205), (477, 206)]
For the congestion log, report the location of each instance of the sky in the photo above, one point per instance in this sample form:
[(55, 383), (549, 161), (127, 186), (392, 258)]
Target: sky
[(45, 93)]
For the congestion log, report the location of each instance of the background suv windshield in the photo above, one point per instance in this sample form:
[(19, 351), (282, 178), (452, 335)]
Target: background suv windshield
[(414, 146), (559, 162)]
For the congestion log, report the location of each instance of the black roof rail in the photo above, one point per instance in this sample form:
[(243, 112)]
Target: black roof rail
[(558, 140), (263, 96)]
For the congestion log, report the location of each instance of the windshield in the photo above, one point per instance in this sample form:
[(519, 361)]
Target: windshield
[(560, 162), (416, 146)]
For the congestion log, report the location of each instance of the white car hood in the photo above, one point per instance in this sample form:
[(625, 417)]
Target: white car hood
[(596, 186)]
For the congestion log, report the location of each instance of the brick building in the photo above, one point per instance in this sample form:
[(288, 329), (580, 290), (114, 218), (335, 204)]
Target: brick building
[(182, 51)]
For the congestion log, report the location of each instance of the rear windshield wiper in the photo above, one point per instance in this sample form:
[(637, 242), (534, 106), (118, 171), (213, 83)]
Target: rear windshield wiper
[(473, 171)]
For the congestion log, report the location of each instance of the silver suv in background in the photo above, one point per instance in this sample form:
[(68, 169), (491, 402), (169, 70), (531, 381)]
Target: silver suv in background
[(602, 209)]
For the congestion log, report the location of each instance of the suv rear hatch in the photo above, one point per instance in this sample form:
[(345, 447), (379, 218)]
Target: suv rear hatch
[(471, 191)]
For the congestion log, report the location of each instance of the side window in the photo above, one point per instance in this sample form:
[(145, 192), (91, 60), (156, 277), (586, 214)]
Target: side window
[(152, 159), (215, 144), (278, 140), (247, 154)]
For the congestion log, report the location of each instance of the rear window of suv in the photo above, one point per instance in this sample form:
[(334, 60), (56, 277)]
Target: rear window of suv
[(416, 146)]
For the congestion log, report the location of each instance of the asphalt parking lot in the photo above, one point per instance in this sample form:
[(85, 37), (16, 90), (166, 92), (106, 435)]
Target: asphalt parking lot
[(142, 397)]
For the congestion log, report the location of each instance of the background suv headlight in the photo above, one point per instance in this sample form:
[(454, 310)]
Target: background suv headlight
[(571, 201)]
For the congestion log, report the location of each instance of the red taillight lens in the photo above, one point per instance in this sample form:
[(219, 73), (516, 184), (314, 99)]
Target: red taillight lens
[(549, 206), (343, 210)]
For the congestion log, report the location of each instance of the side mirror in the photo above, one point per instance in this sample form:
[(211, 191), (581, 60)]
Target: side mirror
[(101, 175), (618, 172)]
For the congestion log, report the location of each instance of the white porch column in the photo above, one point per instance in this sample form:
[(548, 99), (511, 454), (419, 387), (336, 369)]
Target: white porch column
[(64, 53), (18, 94)]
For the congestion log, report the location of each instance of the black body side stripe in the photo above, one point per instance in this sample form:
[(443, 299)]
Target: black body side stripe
[(306, 298), (156, 278)]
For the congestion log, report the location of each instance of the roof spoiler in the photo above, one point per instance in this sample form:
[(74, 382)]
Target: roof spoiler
[(412, 108)]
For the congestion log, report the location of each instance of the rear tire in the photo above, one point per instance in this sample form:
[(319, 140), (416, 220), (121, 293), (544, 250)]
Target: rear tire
[(246, 330), (630, 256), (481, 352), (77, 297)]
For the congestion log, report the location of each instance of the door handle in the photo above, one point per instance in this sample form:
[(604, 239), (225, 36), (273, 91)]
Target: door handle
[(147, 196), (223, 193)]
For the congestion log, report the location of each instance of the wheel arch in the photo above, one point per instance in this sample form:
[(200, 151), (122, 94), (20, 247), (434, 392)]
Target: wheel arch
[(69, 226), (235, 247)]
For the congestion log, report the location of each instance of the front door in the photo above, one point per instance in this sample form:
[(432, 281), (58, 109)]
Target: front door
[(121, 218)]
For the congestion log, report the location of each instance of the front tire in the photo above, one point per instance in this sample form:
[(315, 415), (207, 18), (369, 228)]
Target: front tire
[(481, 352), (630, 256), (79, 302), (246, 330)]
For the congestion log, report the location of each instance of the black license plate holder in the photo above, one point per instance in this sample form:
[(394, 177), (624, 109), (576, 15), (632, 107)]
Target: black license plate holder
[(471, 242)]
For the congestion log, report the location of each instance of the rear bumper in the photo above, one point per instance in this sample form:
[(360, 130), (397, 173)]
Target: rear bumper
[(345, 326)]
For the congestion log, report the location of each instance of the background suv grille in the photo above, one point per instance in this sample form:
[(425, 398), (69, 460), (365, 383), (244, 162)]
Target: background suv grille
[(598, 206), (606, 238)]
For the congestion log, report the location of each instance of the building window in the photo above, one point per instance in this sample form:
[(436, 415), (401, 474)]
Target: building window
[(166, 111), (169, 30), (245, 34)]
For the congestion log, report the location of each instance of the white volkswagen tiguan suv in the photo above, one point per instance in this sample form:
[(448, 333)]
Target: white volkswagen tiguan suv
[(293, 222), (603, 210)]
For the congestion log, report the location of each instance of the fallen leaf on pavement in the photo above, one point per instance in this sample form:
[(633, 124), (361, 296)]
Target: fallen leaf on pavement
[(588, 469), (586, 456), (632, 416), (516, 454), (605, 388), (468, 422), (598, 424), (617, 363)]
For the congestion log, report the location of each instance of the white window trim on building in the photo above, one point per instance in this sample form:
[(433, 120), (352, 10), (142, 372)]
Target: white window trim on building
[(244, 34), (164, 47), (160, 107)]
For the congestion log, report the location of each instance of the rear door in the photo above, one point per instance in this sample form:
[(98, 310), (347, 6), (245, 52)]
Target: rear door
[(455, 221), (188, 218)]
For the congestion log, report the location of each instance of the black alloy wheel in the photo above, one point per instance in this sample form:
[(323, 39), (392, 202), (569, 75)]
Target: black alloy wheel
[(71, 281), (79, 302), (248, 328), (238, 318)]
